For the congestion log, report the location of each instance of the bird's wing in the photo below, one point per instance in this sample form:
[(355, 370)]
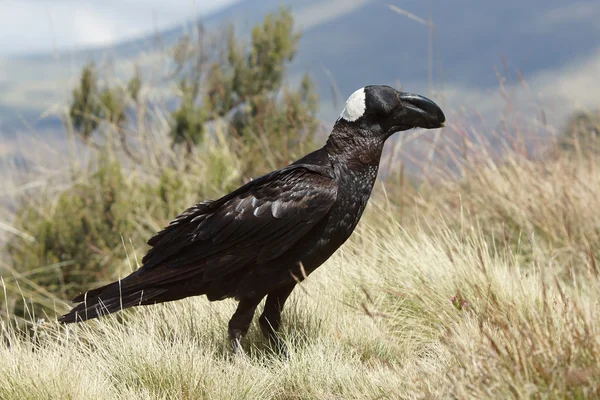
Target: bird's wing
[(254, 224)]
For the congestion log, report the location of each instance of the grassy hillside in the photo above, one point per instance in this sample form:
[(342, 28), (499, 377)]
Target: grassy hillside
[(480, 287)]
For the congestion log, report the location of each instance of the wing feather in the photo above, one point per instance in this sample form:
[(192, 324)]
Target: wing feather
[(255, 224)]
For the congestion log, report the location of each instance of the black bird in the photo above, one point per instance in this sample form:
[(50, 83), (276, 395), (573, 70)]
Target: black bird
[(270, 233)]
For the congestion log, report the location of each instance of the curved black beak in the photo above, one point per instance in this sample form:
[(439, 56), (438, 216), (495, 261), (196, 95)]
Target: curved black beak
[(421, 112)]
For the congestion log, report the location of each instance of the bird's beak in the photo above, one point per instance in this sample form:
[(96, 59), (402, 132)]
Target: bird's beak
[(420, 112)]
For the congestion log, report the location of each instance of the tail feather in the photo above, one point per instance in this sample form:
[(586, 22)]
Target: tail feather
[(144, 286), (92, 293), (95, 306)]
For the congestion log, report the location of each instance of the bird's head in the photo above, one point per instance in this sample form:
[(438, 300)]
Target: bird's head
[(382, 111)]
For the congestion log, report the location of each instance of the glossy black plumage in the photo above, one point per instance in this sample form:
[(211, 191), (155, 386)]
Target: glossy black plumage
[(252, 242)]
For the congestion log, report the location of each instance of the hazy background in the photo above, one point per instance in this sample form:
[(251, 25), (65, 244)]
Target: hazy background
[(548, 51)]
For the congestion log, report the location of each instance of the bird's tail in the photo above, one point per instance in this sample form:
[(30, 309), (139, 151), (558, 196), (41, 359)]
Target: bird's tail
[(109, 299)]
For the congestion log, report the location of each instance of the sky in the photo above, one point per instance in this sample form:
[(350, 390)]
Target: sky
[(31, 26)]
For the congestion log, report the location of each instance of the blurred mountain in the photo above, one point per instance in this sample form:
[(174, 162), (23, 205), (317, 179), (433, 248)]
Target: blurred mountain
[(349, 43)]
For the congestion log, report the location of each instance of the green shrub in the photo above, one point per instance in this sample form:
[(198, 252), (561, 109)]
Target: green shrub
[(80, 231), (582, 132)]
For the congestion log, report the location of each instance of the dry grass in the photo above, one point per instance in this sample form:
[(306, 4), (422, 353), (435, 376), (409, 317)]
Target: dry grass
[(488, 289)]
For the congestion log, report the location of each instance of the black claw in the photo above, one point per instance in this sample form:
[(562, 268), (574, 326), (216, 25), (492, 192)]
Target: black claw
[(236, 346), (282, 348), (279, 346)]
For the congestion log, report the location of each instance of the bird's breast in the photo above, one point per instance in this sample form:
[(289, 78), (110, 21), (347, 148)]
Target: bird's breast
[(354, 190)]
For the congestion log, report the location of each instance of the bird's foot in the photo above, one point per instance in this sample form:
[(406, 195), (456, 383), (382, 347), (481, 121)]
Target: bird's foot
[(236, 346), (282, 349), (280, 346)]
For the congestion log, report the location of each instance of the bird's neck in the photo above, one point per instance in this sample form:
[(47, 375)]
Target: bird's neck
[(357, 151)]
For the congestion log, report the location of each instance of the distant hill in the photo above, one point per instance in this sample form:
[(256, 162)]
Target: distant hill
[(358, 42)]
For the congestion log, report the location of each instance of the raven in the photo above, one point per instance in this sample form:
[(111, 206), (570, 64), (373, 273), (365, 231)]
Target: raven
[(269, 234)]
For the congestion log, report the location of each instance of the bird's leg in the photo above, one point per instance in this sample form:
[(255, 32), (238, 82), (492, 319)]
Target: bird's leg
[(240, 321), (270, 320)]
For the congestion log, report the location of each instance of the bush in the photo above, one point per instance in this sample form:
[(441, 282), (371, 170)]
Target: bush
[(80, 231), (582, 132)]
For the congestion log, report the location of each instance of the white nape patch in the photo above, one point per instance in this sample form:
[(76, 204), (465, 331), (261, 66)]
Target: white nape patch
[(355, 106)]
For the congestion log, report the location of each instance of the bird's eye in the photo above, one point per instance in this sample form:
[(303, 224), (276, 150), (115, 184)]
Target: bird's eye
[(382, 102)]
